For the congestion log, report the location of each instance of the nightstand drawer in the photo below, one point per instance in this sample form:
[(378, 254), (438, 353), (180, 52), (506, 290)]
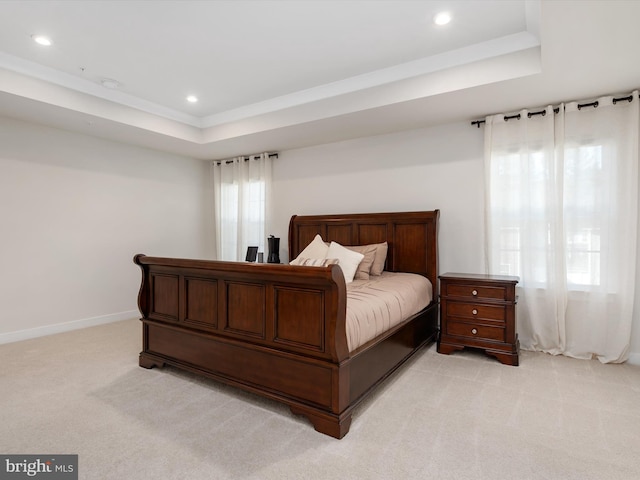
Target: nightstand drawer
[(475, 291), (476, 311), (481, 332)]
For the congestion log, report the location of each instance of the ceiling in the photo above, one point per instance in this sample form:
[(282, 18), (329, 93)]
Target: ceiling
[(276, 75)]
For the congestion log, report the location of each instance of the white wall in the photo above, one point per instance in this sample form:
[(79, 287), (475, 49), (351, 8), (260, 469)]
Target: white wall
[(438, 167), (433, 168), (74, 210)]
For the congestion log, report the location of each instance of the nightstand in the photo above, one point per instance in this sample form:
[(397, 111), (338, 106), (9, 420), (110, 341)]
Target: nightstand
[(479, 311)]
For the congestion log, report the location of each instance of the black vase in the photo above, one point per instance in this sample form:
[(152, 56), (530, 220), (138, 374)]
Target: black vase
[(274, 249)]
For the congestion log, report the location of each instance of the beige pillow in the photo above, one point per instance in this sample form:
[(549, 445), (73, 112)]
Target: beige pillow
[(369, 252), (316, 249), (381, 258), (347, 259)]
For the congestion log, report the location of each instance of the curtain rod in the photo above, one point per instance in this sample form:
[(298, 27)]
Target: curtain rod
[(595, 104), (248, 157)]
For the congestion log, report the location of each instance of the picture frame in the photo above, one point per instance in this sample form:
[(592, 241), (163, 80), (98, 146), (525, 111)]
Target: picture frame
[(252, 254)]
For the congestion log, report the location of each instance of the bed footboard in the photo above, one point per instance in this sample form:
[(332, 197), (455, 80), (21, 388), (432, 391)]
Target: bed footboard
[(275, 330)]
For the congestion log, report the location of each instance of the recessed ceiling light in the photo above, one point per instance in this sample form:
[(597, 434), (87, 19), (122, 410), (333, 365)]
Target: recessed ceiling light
[(109, 83), (42, 40), (442, 18), (192, 99)]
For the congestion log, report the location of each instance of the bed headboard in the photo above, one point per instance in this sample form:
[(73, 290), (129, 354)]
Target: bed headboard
[(412, 237)]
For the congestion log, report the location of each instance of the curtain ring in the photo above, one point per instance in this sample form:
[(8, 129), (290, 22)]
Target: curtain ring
[(628, 99), (592, 104)]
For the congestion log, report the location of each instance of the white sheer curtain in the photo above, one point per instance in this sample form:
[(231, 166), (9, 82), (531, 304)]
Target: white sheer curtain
[(561, 213), (241, 189)]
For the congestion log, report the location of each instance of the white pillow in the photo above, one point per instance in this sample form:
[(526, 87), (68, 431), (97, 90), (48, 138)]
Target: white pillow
[(316, 249), (347, 259)]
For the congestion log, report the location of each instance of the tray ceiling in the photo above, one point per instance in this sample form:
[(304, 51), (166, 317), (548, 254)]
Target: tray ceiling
[(269, 75)]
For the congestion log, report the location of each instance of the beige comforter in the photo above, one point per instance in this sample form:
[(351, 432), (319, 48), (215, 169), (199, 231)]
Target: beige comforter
[(378, 304)]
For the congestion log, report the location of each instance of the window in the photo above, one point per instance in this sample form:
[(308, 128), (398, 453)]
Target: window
[(522, 183), (561, 213), (241, 189), (584, 204)]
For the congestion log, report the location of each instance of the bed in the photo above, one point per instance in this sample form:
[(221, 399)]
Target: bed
[(280, 331)]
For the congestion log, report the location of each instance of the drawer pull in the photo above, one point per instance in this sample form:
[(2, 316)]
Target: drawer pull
[(474, 293), (474, 311), (474, 331)]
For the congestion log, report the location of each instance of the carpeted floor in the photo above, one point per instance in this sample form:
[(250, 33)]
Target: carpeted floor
[(463, 416)]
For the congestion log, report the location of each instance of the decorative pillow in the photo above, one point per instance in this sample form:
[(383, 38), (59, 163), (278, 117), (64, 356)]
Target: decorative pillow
[(381, 258), (369, 252), (317, 262), (316, 249), (347, 259)]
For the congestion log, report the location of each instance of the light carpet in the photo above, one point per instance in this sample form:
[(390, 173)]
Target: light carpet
[(463, 416)]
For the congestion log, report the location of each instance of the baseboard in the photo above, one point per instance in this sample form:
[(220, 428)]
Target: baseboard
[(11, 337), (634, 359)]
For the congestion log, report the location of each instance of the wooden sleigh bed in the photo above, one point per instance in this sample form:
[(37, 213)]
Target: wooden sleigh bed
[(279, 330)]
